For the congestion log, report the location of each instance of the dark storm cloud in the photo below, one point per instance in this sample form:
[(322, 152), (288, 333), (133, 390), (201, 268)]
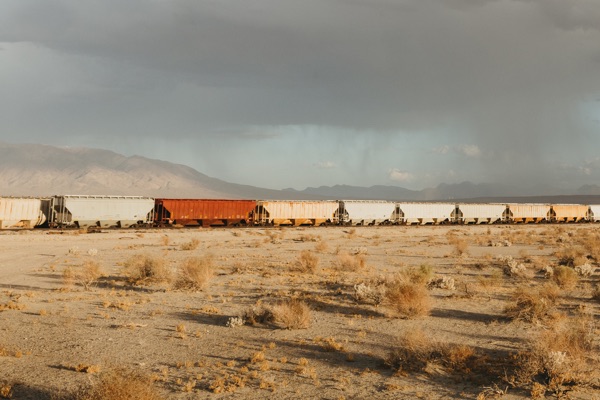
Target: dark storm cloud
[(508, 76)]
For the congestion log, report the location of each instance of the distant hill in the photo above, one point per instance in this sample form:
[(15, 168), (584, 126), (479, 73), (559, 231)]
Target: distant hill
[(463, 192), (40, 170)]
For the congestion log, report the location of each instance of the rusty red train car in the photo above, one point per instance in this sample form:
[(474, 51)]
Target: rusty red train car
[(203, 212)]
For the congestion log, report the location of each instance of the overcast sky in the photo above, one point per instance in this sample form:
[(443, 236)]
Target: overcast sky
[(282, 93)]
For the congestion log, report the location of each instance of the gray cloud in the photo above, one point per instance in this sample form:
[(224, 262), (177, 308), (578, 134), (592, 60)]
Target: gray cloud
[(508, 77)]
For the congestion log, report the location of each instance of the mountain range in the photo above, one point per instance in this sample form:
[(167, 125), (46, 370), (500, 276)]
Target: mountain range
[(43, 170)]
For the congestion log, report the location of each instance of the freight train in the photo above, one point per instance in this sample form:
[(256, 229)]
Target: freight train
[(94, 212)]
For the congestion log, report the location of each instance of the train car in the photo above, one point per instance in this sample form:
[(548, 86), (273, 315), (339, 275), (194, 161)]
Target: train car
[(526, 213), (569, 212), (479, 213), (367, 212), (203, 212), (23, 212), (594, 213), (85, 211), (296, 212), (426, 213)]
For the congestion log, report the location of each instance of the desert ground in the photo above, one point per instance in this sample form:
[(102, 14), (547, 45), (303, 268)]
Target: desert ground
[(401, 312)]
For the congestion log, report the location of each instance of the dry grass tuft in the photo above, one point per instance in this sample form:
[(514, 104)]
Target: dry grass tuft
[(120, 384), (191, 245), (87, 275), (291, 314), (408, 299), (6, 391), (145, 269), (421, 276), (257, 315), (461, 246), (87, 368), (561, 355), (165, 240), (195, 273), (565, 277), (571, 256), (532, 305), (330, 344), (415, 351), (370, 292), (348, 262), (321, 246), (307, 262)]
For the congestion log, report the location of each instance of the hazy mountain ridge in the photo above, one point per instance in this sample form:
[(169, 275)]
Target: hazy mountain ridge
[(42, 170), (464, 191)]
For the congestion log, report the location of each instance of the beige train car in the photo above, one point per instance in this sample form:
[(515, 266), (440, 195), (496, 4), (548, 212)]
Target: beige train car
[(569, 212), (296, 213), (526, 213)]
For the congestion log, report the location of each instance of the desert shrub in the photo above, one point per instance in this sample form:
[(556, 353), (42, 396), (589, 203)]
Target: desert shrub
[(407, 299), (510, 267), (330, 344), (585, 270), (591, 243), (444, 282), (532, 305), (68, 276), (120, 384), (490, 281), (257, 315), (191, 245), (565, 277), (559, 354), (321, 246), (414, 350), (145, 269), (88, 274), (6, 390), (571, 256), (291, 314), (421, 275), (461, 246), (373, 291), (307, 262), (195, 273), (165, 240), (349, 262)]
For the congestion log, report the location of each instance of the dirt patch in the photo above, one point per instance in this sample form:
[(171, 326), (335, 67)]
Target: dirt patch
[(71, 300)]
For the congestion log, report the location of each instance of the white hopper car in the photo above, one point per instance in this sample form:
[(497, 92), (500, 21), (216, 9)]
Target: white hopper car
[(594, 213), (367, 212), (426, 213), (479, 213), (101, 211), (22, 212)]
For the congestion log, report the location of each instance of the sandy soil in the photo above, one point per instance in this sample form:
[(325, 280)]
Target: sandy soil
[(49, 325)]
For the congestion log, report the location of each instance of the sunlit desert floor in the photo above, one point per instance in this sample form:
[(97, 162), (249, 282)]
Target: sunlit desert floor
[(404, 312)]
